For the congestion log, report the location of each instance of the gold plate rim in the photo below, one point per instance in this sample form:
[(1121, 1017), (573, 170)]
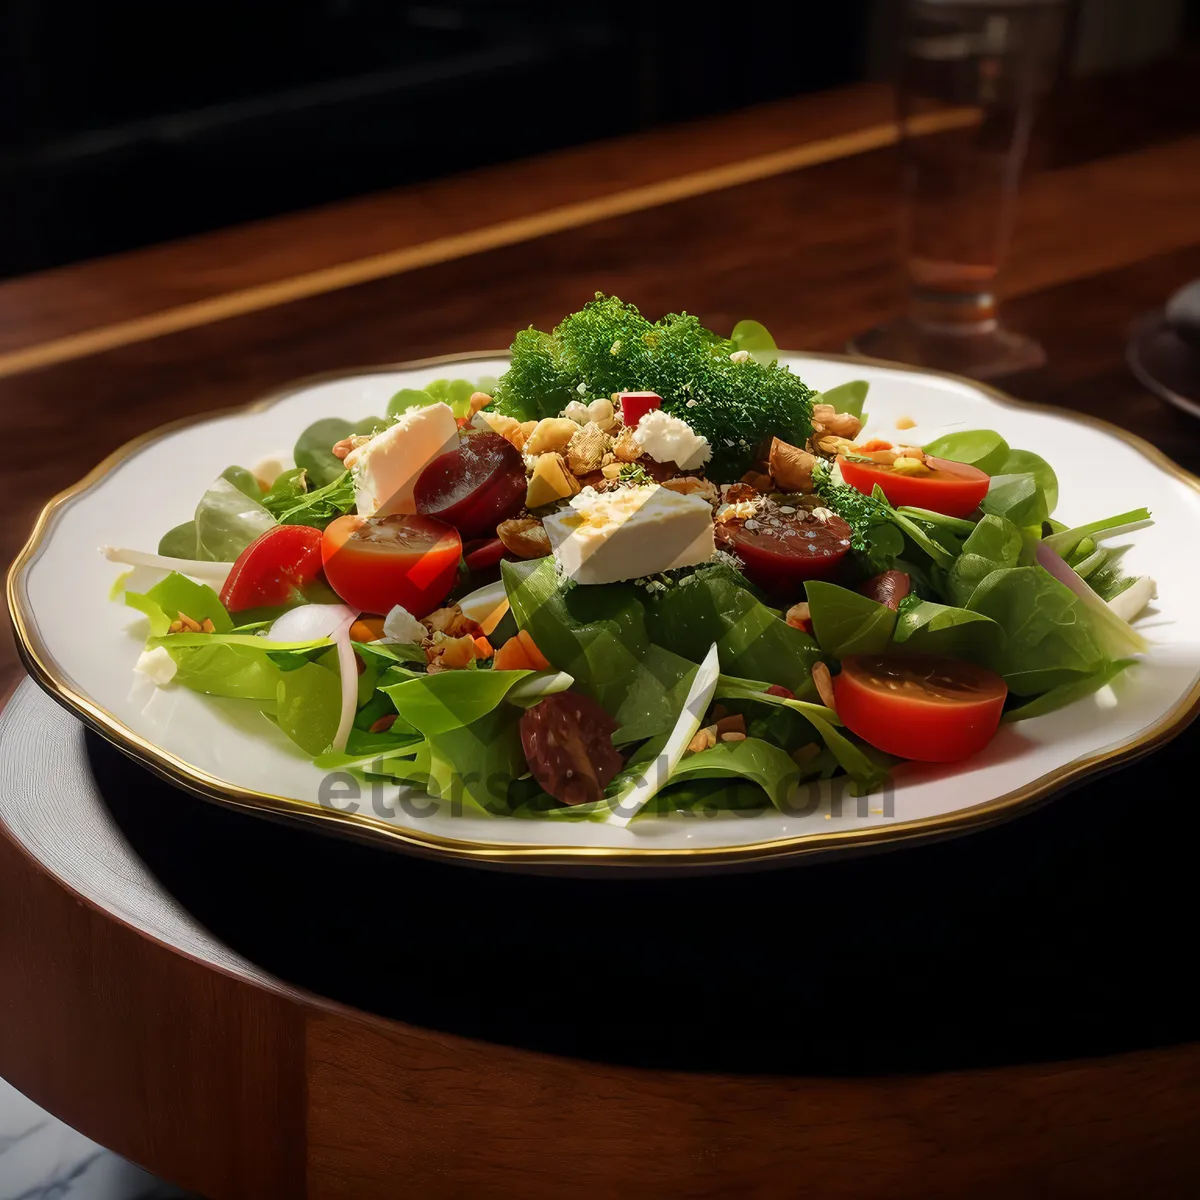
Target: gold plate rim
[(175, 770)]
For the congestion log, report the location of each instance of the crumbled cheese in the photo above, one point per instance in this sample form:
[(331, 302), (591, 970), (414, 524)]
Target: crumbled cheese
[(740, 356), (669, 439), (157, 664), (401, 626)]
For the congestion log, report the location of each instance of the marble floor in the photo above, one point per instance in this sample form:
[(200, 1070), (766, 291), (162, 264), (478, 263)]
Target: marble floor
[(43, 1159)]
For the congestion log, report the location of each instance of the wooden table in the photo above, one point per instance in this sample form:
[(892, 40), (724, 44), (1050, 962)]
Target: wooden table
[(785, 213)]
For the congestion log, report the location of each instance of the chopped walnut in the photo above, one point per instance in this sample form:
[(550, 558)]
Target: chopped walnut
[(451, 621), (479, 400), (509, 428), (824, 682), (799, 616), (735, 493), (760, 481), (830, 445), (348, 445), (837, 424), (525, 537), (587, 448), (791, 466)]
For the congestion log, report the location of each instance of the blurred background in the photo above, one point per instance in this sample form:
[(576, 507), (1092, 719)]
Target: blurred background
[(125, 125)]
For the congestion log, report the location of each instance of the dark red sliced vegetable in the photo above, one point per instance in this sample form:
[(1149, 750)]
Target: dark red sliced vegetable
[(567, 740), (888, 588), (273, 568), (780, 549), (635, 405), (483, 554), (475, 486)]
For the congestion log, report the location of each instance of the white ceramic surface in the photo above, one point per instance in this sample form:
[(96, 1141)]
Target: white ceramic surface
[(89, 644)]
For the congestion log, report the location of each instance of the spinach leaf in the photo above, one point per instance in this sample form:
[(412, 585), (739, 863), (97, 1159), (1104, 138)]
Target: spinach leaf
[(847, 623), (848, 397), (996, 542), (309, 707), (928, 628), (758, 761), (755, 338), (314, 448), (1068, 693), (982, 448), (318, 508)]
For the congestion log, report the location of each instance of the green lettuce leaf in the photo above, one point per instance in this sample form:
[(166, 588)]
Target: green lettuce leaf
[(848, 397), (310, 706), (755, 338)]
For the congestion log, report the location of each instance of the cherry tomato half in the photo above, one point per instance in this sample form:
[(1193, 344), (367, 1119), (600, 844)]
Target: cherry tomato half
[(787, 548), (919, 706), (952, 488), (273, 568), (375, 563), (475, 486)]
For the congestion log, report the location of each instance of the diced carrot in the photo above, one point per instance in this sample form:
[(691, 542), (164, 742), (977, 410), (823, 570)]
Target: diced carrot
[(875, 444), (538, 660), (484, 647), (367, 629), (512, 657)]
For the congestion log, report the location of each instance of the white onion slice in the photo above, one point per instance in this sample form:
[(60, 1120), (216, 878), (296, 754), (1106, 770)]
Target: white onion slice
[(212, 573), (348, 668), (1122, 637), (312, 621)]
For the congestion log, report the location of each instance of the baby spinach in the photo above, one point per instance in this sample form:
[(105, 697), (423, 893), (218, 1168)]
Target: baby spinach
[(848, 623)]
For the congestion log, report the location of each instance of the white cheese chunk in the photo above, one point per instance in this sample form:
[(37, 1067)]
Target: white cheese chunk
[(386, 469), (605, 537), (157, 664), (668, 439), (401, 626)]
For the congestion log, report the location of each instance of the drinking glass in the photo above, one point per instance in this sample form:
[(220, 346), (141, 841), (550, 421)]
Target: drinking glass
[(960, 184)]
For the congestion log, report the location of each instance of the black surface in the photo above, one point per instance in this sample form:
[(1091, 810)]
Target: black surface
[(1065, 932)]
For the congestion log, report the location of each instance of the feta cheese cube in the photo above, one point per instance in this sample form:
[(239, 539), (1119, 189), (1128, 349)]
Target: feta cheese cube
[(606, 537), (669, 439), (386, 468), (157, 664)]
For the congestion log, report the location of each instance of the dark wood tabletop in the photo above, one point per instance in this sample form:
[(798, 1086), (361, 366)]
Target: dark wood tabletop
[(787, 214)]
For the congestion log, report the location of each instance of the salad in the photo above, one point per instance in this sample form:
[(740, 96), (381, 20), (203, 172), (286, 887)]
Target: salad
[(646, 570)]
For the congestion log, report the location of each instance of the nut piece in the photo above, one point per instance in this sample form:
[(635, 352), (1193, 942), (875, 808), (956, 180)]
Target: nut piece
[(831, 445), (824, 682), (509, 428), (799, 616), (829, 421), (600, 412), (479, 400), (383, 724), (451, 621), (760, 481), (731, 724), (705, 739), (550, 433), (904, 422), (692, 485), (791, 466), (346, 445), (185, 624), (586, 450), (576, 411), (525, 537), (625, 448)]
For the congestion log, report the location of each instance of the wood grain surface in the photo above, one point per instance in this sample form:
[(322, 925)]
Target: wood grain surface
[(236, 1088)]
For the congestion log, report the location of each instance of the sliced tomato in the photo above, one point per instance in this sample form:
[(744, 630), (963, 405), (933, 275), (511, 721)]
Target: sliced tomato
[(375, 563), (784, 549), (919, 706), (273, 568), (952, 488)]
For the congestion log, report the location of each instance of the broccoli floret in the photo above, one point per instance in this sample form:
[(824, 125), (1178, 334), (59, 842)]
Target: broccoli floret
[(608, 346), (875, 542)]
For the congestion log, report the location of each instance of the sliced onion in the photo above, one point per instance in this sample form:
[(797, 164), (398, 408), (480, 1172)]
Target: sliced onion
[(348, 668), (212, 573), (312, 621), (1121, 636), (1058, 566)]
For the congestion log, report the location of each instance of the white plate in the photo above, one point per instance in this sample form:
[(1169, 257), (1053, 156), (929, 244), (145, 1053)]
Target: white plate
[(82, 647)]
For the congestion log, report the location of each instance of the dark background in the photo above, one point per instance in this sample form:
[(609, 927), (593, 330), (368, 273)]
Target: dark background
[(126, 123)]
